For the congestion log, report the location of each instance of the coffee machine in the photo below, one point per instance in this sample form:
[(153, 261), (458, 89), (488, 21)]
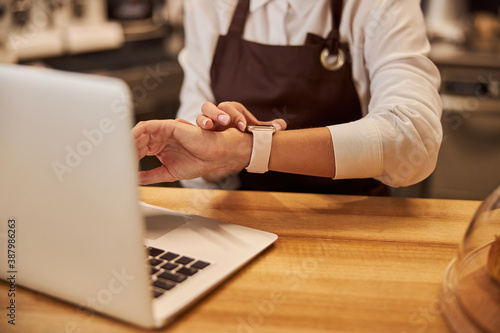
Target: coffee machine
[(89, 29), (33, 32), (37, 29)]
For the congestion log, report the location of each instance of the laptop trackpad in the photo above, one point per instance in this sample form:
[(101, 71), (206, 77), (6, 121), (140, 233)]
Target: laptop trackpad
[(159, 225)]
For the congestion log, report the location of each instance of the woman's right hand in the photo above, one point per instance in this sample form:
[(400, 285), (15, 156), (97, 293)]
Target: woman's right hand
[(187, 151), (231, 114)]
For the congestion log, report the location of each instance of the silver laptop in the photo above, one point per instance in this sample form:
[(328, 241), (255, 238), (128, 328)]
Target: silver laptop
[(69, 210)]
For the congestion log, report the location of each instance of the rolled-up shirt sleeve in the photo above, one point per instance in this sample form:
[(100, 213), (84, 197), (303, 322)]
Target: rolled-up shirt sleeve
[(398, 140)]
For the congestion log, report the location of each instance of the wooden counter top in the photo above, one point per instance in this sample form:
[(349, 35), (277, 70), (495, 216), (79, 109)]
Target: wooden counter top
[(341, 264)]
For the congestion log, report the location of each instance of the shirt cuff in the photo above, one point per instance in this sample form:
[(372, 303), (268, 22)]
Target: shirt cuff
[(357, 149)]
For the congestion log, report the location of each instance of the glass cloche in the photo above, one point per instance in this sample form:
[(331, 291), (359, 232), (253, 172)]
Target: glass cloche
[(470, 295)]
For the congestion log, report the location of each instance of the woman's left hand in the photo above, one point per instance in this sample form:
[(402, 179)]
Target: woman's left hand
[(231, 114)]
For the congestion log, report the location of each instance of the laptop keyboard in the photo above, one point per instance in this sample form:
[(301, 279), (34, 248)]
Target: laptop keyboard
[(169, 269)]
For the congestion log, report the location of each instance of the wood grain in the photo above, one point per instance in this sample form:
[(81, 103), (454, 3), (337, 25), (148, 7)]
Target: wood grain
[(341, 264)]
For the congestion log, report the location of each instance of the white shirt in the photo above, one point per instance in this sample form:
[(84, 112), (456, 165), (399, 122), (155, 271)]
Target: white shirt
[(398, 139)]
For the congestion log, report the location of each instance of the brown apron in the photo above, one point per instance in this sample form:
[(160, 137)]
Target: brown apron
[(289, 82)]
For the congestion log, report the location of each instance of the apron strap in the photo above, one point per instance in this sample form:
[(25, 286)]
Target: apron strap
[(336, 7), (239, 19), (333, 38)]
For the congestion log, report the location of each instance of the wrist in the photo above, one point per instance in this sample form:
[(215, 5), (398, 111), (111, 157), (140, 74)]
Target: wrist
[(237, 148), (261, 149)]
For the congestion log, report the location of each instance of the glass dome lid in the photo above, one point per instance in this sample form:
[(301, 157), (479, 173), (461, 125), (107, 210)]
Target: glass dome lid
[(470, 295)]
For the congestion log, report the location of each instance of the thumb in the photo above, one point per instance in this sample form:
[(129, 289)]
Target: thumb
[(153, 176)]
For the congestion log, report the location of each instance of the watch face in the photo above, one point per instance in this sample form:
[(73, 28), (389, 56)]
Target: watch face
[(252, 128)]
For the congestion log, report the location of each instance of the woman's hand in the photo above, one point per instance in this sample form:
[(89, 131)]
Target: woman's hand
[(231, 114), (187, 151)]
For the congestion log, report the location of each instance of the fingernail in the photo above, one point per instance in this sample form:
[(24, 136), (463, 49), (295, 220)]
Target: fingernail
[(204, 123), (242, 126), (223, 119), (277, 126)]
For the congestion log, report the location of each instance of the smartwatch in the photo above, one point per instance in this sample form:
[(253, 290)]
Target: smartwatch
[(261, 149)]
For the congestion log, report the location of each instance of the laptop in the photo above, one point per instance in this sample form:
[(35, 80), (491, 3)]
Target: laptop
[(70, 214)]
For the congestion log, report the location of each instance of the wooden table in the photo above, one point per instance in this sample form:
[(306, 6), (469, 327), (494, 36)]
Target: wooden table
[(341, 263)]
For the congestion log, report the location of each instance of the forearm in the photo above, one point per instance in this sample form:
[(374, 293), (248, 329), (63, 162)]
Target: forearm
[(305, 151)]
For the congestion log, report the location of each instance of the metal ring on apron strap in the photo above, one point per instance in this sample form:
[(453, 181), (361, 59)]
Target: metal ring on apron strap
[(330, 61)]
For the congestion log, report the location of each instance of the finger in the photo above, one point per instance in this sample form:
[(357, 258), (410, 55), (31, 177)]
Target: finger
[(146, 127), (249, 117), (238, 113), (215, 114), (144, 144), (204, 122), (138, 129), (151, 136), (141, 141), (141, 153), (153, 176), (141, 145), (279, 123)]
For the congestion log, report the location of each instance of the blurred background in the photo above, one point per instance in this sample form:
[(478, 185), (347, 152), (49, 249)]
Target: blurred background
[(139, 40)]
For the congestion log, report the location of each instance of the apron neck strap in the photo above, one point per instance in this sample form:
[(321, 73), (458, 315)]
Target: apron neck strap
[(336, 8), (334, 35), (239, 19)]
